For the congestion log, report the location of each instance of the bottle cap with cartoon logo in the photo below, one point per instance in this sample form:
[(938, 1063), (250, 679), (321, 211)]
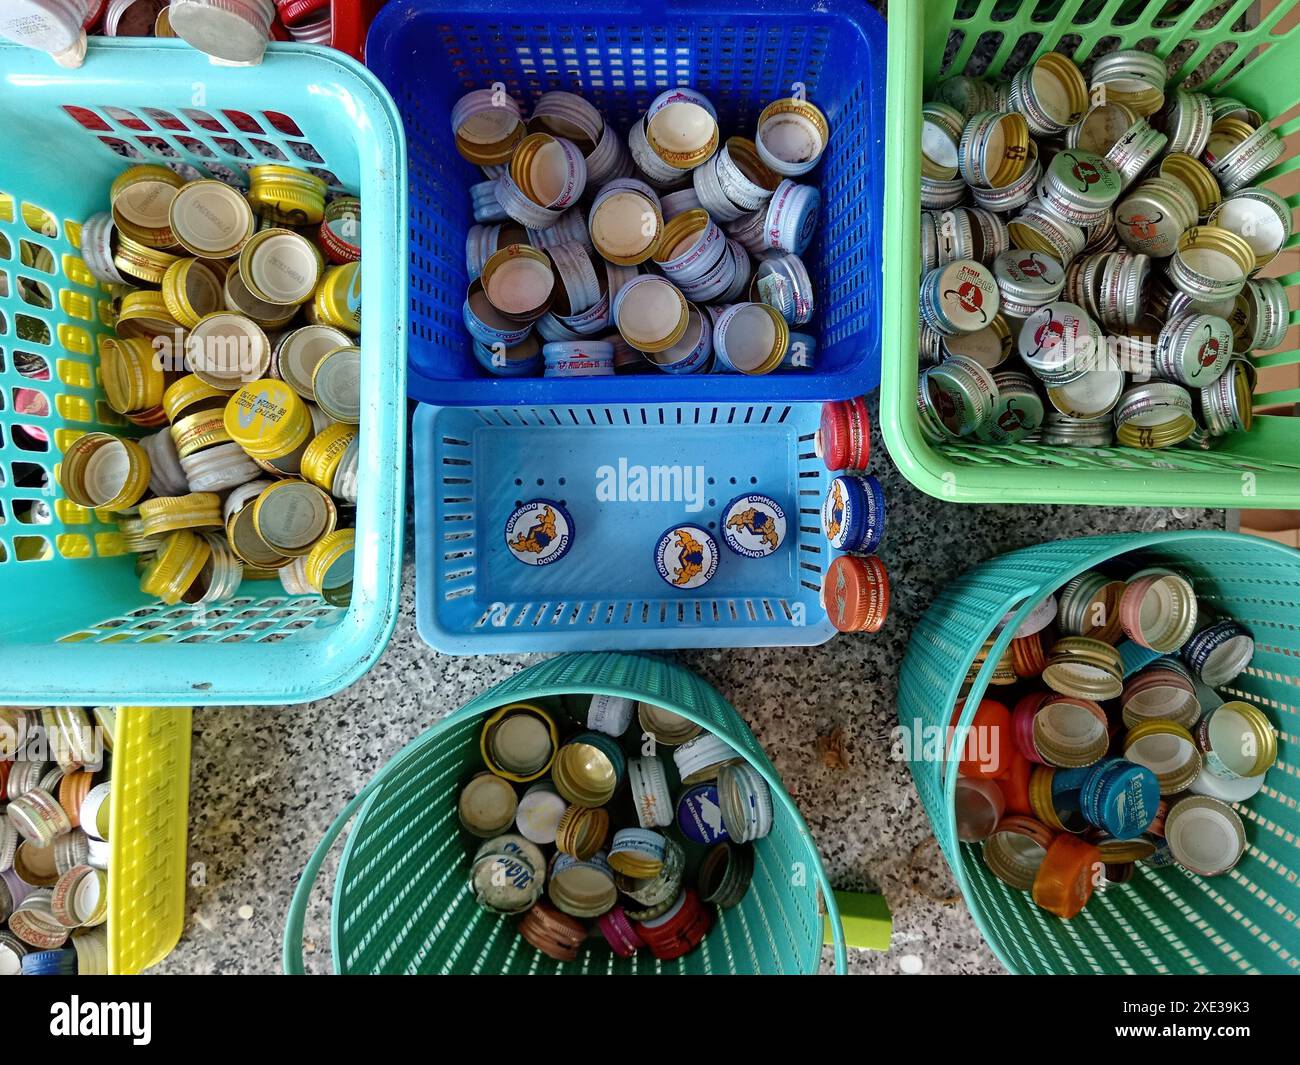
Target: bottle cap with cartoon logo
[(853, 513), (1060, 343), (686, 556), (1017, 410), (753, 525), (1026, 280), (539, 532), (1154, 215), (1194, 350), (959, 298), (699, 814), (1080, 186)]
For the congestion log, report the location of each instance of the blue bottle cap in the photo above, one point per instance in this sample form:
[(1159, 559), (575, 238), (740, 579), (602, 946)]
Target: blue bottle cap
[(853, 514), (539, 532), (699, 814), (1067, 797), (753, 525), (686, 556), (50, 963), (1122, 798), (1220, 652)]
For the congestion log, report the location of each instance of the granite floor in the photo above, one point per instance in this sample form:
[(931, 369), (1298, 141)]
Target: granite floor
[(267, 782)]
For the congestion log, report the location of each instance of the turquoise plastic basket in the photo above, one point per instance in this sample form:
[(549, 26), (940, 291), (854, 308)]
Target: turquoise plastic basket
[(75, 625), (402, 902), (1164, 920)]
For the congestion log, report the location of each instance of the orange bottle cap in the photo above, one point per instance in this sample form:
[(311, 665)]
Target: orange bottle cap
[(1067, 876)]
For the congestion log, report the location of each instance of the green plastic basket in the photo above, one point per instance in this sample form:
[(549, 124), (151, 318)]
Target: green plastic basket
[(1257, 65), (75, 628), (402, 902), (1164, 920)]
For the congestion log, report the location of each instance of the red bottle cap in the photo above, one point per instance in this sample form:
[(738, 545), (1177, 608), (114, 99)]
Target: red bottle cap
[(988, 743), (855, 593), (844, 438), (294, 11), (1015, 783), (1022, 725)]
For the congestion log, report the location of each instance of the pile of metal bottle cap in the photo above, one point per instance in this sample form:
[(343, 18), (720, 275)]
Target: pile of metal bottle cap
[(235, 32), (55, 766), (236, 316), (1077, 772), (1103, 288), (855, 586), (576, 813), (672, 250)]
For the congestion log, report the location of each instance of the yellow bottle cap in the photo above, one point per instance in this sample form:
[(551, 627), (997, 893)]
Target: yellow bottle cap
[(280, 267), (268, 419), (226, 349), (141, 199), (251, 549), (336, 382), (291, 516), (142, 261), (175, 567), (238, 298), (211, 220), (197, 510), (145, 313), (325, 452), (519, 750), (131, 374), (191, 392), (102, 471), (291, 193), (191, 290), (330, 563), (338, 298)]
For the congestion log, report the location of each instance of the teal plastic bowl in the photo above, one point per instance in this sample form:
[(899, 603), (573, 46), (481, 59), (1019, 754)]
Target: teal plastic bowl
[(1163, 920)]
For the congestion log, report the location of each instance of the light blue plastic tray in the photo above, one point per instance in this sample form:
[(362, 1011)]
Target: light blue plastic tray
[(473, 466)]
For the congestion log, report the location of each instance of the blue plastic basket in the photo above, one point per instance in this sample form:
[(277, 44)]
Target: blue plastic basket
[(620, 54), (75, 624), (1164, 920), (473, 466)]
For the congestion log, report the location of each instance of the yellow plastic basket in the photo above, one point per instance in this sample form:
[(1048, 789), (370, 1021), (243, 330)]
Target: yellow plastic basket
[(149, 815)]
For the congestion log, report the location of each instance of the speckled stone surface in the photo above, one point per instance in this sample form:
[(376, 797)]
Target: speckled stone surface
[(267, 782)]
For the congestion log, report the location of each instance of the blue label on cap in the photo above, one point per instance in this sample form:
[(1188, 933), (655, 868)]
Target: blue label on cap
[(1122, 798), (1162, 857), (699, 815), (853, 515), (1207, 641), (539, 532), (1090, 791)]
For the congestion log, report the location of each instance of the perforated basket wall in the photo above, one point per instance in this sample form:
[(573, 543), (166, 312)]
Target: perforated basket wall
[(620, 56), (1164, 920), (402, 902), (474, 465), (149, 812), (75, 626), (1222, 48)]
